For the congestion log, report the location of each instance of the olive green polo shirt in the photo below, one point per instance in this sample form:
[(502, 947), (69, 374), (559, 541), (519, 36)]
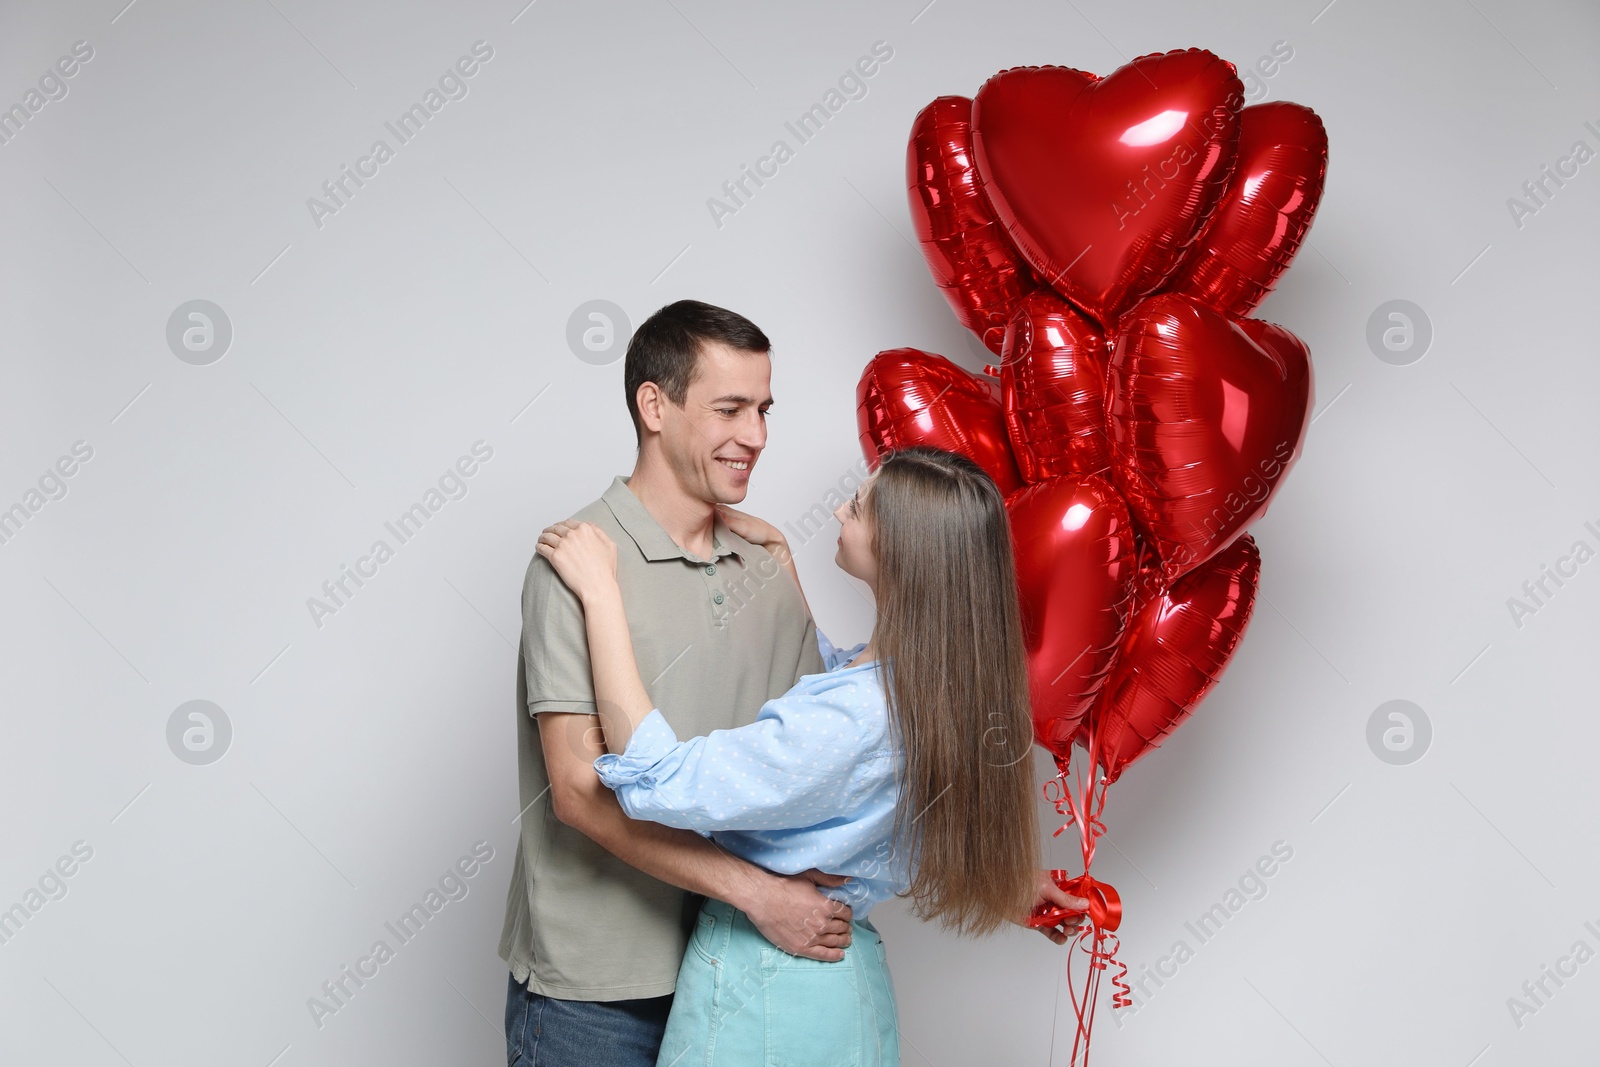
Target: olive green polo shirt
[(715, 640)]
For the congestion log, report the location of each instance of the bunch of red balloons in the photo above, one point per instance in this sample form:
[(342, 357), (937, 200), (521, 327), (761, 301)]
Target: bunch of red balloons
[(1107, 238)]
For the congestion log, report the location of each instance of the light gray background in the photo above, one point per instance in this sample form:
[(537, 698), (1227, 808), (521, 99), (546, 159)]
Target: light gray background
[(370, 753)]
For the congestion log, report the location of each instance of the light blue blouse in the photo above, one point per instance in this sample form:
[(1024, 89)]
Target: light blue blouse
[(810, 783)]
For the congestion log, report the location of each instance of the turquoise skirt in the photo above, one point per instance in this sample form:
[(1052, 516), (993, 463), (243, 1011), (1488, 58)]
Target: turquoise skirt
[(742, 1002)]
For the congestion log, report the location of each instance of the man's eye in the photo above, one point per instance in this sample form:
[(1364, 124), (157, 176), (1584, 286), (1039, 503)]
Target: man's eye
[(727, 411)]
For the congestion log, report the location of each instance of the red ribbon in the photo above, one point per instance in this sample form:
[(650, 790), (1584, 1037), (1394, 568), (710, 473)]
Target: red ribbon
[(1105, 905), (1096, 938)]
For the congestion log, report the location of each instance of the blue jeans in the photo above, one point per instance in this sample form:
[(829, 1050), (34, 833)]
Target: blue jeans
[(548, 1032), (742, 1002)]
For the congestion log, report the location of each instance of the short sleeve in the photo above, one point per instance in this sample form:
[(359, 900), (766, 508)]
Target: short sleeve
[(555, 646), (832, 658), (790, 768)]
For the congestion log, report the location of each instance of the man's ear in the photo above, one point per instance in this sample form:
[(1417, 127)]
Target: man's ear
[(650, 401)]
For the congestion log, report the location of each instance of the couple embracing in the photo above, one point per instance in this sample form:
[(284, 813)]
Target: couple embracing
[(716, 796)]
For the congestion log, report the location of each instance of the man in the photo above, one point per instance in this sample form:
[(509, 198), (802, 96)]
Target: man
[(601, 907)]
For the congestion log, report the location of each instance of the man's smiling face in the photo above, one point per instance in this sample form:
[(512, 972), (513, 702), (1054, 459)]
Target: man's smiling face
[(713, 441)]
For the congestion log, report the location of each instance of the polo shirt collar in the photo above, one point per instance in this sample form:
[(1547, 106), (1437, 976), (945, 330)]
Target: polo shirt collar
[(653, 541)]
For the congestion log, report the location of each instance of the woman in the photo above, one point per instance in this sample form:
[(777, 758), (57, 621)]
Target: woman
[(904, 766)]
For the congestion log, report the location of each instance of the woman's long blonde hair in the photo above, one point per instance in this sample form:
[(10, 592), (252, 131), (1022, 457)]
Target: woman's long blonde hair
[(949, 629)]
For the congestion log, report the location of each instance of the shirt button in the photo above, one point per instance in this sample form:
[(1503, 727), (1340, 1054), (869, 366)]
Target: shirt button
[(711, 568), (716, 598)]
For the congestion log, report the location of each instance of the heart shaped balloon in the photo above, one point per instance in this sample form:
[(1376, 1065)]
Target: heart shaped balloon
[(1295, 358), (1102, 183), (1105, 237), (1119, 229), (909, 397), (1265, 212), (1053, 389), (973, 262), (1206, 415), (1148, 580), (1073, 541), (1175, 648)]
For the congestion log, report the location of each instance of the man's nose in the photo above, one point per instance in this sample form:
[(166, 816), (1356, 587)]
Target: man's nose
[(753, 432)]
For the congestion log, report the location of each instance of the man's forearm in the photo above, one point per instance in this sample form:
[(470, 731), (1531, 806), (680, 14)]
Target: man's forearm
[(678, 857), (788, 910)]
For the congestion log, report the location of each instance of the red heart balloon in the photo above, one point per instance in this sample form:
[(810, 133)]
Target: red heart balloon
[(1265, 212), (1053, 389), (1102, 183), (1148, 581), (908, 397), (972, 260), (1073, 540), (1206, 415), (1176, 647), (1295, 358)]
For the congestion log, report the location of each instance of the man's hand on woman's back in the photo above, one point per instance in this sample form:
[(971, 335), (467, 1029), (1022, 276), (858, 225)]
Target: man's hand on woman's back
[(793, 915)]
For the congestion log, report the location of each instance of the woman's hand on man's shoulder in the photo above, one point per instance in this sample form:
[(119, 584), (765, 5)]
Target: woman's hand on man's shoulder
[(583, 555), (756, 531)]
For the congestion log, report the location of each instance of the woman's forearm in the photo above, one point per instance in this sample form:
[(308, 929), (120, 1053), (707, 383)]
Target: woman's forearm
[(619, 693)]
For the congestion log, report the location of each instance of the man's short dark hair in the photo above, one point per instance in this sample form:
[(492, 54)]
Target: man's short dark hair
[(666, 346)]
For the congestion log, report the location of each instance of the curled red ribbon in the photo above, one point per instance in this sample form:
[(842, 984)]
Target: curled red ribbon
[(1096, 938)]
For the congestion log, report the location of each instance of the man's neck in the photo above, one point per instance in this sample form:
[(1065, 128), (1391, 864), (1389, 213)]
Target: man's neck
[(687, 520)]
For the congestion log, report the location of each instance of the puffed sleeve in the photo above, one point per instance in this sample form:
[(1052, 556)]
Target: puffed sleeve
[(832, 658), (790, 768)]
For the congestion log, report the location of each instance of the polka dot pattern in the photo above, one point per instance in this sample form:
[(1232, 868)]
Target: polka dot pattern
[(809, 784)]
